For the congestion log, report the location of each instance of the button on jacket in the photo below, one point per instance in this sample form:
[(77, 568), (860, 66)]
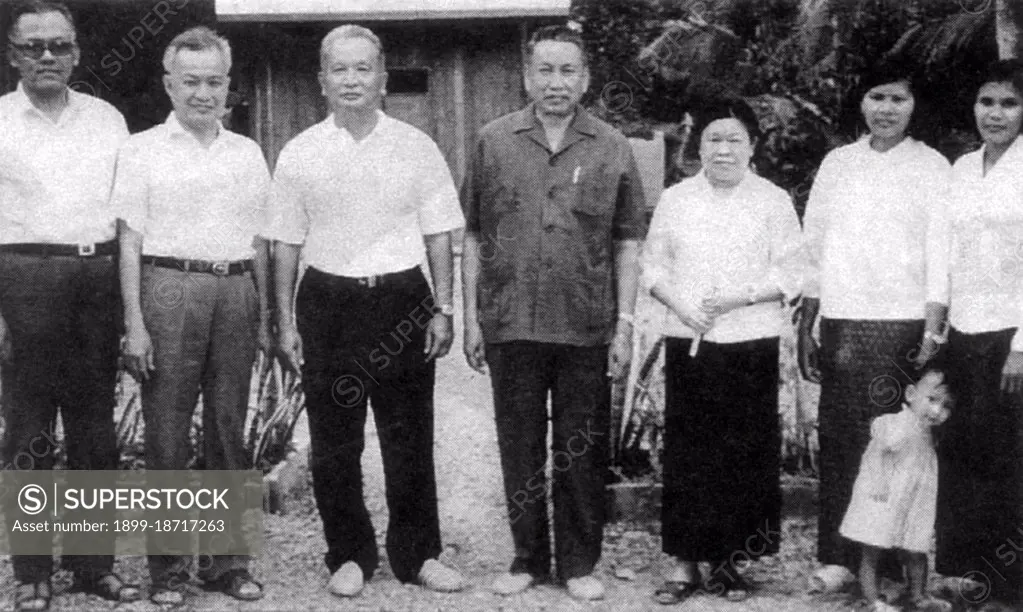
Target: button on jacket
[(546, 223)]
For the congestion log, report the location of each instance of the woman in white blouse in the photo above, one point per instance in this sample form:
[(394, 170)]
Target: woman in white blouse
[(980, 519), (876, 234), (722, 254)]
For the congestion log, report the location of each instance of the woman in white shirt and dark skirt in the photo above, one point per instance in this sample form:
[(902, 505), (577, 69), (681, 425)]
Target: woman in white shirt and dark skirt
[(722, 254), (876, 235), (980, 473)]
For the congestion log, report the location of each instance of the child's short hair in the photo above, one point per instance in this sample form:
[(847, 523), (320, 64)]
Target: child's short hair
[(934, 371)]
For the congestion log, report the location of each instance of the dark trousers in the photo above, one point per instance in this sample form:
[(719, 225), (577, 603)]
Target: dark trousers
[(64, 318), (203, 328), (522, 374), (980, 468), (722, 493), (866, 366), (365, 344)]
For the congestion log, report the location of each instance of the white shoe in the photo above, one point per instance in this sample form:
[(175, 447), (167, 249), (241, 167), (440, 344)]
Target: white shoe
[(831, 579), (347, 581), (436, 576), (512, 584), (586, 588)]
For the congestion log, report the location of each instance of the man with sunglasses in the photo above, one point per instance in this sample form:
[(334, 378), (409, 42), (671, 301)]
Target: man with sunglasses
[(59, 300)]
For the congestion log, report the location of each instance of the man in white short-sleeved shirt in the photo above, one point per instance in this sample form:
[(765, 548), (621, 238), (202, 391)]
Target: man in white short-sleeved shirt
[(191, 196), (365, 199), (58, 290)]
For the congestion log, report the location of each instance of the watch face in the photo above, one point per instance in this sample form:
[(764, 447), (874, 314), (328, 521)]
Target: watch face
[(447, 310)]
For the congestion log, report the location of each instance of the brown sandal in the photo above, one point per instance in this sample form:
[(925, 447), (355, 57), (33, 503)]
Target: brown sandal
[(32, 596)]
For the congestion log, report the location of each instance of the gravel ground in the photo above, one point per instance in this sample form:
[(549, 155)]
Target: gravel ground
[(478, 540)]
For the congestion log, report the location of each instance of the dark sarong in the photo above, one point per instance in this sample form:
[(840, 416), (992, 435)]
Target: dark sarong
[(722, 441), (865, 367), (980, 468)]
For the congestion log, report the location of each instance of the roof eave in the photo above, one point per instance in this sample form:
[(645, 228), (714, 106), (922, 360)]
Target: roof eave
[(452, 15)]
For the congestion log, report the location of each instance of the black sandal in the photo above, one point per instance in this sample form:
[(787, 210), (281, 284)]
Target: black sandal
[(736, 588), (109, 586), (232, 582), (32, 596), (674, 592)]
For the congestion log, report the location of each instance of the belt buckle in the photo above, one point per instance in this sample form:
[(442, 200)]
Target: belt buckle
[(220, 268), (86, 250)]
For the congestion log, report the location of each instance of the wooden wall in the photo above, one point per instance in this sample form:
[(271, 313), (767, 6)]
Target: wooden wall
[(475, 72), (475, 76)]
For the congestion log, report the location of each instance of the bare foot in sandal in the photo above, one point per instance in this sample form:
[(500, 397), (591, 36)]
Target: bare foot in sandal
[(109, 586), (32, 596)]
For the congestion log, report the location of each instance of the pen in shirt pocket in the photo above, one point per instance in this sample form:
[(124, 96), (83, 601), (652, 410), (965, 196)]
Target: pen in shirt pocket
[(575, 175)]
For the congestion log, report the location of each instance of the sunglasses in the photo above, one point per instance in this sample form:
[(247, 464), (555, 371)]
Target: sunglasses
[(38, 48)]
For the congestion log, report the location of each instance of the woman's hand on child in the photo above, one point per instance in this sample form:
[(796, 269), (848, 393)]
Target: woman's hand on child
[(1012, 373)]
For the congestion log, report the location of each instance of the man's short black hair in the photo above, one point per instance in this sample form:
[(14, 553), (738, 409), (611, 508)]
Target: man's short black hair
[(556, 33), (37, 7)]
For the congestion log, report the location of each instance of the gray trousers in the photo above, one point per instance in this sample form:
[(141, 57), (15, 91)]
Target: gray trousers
[(203, 328)]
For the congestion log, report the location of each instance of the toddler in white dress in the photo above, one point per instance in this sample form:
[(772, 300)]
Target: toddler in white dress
[(894, 498)]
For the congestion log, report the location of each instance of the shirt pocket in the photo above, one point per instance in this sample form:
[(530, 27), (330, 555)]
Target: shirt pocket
[(501, 203), (597, 196), (593, 211)]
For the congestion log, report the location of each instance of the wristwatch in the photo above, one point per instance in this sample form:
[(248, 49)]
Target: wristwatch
[(935, 338), (751, 294), (448, 310)]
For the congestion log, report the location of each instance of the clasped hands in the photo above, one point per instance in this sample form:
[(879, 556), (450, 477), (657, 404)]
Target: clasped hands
[(700, 313)]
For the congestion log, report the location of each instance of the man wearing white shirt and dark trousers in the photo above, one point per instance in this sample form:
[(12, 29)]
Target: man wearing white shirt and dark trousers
[(192, 197), (365, 199), (59, 328)]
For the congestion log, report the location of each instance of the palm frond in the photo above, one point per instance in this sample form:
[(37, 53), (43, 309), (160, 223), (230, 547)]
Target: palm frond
[(942, 41)]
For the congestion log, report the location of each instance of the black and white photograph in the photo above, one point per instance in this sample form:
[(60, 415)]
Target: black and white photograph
[(501, 305)]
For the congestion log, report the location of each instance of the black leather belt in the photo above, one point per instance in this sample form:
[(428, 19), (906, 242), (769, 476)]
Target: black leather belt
[(220, 268), (377, 280), (45, 249)]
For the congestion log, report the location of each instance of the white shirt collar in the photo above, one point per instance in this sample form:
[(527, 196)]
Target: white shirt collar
[(748, 184), (1007, 160), (906, 145), (380, 129), (176, 130), (75, 102)]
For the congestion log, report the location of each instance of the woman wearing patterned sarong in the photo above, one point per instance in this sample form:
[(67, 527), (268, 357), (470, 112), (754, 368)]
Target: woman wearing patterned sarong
[(980, 519), (722, 254), (876, 237)]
